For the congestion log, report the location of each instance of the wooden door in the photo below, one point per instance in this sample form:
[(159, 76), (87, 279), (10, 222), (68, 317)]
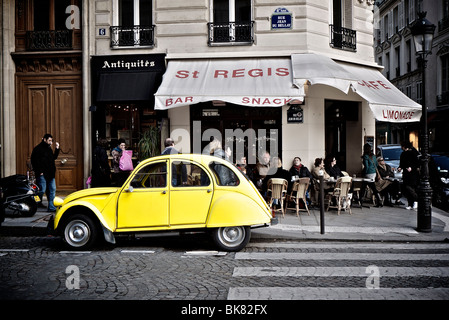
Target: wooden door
[(46, 104)]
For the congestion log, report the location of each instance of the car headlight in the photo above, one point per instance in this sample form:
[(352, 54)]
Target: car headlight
[(58, 201)]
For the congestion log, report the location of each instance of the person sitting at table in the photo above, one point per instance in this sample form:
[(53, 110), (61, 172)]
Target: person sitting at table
[(370, 172), (390, 190), (330, 165), (280, 173), (300, 171), (318, 167)]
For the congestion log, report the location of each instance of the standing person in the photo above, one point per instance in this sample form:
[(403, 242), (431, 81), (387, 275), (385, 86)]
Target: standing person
[(118, 176), (169, 147), (101, 171), (409, 165), (43, 162), (370, 172)]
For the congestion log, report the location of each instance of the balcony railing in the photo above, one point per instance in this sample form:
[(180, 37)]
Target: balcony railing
[(343, 38), (49, 40), (135, 36), (231, 33)]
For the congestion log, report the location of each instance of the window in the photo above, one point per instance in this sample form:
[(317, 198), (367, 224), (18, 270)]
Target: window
[(135, 24), (231, 22), (419, 92), (53, 24), (342, 36), (187, 174), (224, 175), (151, 176)]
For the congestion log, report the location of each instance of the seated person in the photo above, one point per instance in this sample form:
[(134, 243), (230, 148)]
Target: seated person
[(301, 171), (280, 173), (330, 164), (390, 190)]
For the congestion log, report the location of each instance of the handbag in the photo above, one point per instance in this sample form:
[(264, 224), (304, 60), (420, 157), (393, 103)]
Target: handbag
[(126, 163)]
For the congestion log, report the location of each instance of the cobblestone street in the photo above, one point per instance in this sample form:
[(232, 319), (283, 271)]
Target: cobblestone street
[(189, 269)]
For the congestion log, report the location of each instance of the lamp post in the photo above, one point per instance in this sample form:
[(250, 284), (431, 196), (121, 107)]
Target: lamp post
[(422, 32)]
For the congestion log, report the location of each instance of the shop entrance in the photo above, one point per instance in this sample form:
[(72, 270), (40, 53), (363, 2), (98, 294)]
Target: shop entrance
[(236, 124), (337, 114)]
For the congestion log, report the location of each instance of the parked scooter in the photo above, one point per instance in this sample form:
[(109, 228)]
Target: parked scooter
[(19, 196)]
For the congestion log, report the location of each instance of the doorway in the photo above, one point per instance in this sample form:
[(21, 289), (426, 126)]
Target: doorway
[(337, 113)]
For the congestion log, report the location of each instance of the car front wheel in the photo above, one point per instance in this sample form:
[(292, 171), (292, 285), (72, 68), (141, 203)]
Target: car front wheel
[(231, 238), (80, 232)]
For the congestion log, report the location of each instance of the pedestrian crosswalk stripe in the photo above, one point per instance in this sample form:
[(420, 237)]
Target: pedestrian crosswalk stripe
[(346, 245), (339, 229), (137, 251), (332, 293), (339, 272), (337, 256)]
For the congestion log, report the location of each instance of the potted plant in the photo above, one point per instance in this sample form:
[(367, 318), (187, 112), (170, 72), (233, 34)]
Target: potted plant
[(149, 143)]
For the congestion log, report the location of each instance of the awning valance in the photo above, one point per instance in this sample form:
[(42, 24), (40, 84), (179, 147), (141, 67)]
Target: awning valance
[(386, 101), (250, 82), (131, 86)]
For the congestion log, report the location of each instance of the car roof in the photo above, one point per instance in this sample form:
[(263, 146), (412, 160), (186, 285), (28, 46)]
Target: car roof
[(188, 156)]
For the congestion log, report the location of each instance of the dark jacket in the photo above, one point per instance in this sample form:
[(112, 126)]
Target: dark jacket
[(43, 160), (409, 158)]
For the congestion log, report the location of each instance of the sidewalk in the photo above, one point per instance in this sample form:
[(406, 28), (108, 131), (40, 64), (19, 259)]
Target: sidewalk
[(365, 224)]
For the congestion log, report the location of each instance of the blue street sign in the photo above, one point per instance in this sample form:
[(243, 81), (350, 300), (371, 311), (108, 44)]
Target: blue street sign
[(281, 19)]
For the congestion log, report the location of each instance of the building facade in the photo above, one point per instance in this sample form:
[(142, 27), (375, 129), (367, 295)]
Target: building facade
[(297, 78), (395, 50)]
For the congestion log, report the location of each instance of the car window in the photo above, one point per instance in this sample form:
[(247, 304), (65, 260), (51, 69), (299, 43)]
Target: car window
[(153, 175), (187, 174), (224, 175), (391, 153)]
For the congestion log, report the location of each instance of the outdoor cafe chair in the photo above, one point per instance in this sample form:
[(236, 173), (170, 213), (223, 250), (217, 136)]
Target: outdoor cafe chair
[(277, 189), (341, 195), (298, 194)]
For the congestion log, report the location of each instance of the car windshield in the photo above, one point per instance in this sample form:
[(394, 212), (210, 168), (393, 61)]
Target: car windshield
[(442, 162), (391, 153)]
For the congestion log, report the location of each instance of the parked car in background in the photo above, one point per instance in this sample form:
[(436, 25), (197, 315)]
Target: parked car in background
[(182, 192), (392, 155), (439, 168)]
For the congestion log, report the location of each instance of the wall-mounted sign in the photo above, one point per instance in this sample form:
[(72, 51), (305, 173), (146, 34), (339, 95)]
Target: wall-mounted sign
[(295, 114), (281, 19)]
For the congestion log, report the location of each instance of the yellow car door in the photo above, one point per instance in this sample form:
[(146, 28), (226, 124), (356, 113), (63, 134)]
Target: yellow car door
[(191, 192), (145, 202)]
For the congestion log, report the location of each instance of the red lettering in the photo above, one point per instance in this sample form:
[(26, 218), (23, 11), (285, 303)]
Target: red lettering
[(255, 73), (373, 83), (239, 73), (383, 85), (182, 74), (223, 73), (282, 72)]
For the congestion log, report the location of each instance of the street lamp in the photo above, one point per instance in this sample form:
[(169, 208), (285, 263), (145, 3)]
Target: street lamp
[(422, 32)]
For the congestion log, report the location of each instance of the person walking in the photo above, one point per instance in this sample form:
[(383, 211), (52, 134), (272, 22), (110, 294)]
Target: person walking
[(409, 165), (43, 162), (370, 172), (169, 147)]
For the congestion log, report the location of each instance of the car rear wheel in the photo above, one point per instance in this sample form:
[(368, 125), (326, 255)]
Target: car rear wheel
[(80, 232), (231, 238)]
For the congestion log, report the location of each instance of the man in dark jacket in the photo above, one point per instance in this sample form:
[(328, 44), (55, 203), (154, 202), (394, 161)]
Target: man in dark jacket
[(43, 162), (409, 164)]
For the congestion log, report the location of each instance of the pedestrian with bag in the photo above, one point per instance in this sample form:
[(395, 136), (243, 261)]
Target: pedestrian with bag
[(121, 163), (43, 163)]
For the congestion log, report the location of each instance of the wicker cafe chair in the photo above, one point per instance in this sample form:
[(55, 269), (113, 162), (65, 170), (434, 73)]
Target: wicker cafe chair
[(298, 193), (340, 194), (277, 189)]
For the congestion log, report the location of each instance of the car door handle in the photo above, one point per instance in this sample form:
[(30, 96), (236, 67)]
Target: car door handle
[(164, 192), (209, 190)]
